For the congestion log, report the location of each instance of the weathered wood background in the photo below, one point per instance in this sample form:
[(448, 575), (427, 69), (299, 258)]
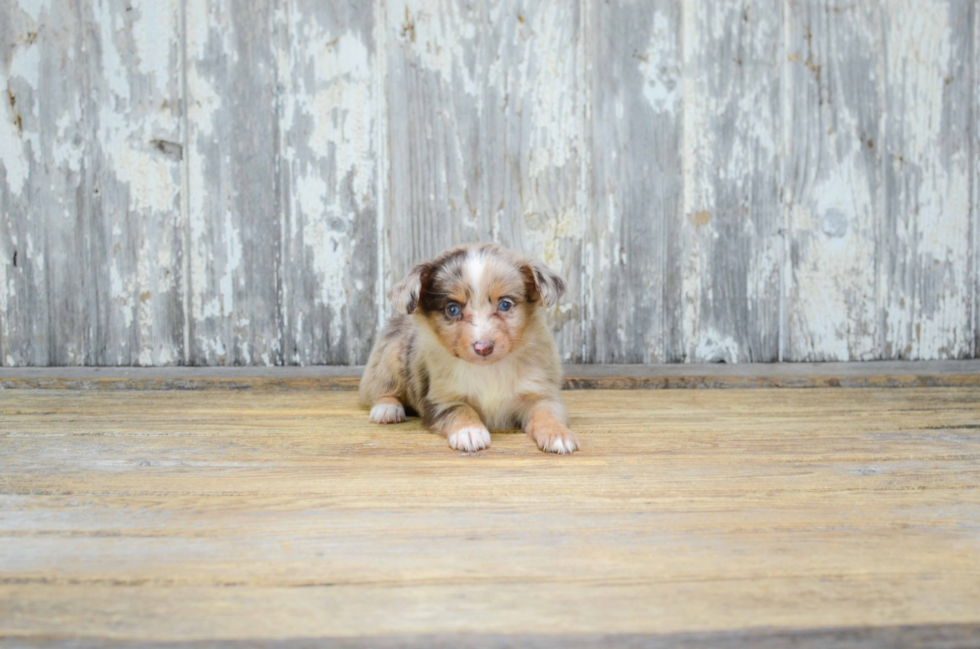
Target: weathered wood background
[(239, 181)]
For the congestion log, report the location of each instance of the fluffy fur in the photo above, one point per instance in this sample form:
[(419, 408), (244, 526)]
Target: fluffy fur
[(469, 351)]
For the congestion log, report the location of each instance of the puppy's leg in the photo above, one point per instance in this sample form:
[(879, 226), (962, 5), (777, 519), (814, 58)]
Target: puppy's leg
[(383, 384), (387, 410), (461, 425), (545, 424)]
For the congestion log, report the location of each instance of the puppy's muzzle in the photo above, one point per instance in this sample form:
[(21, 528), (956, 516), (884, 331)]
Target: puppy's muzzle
[(483, 348)]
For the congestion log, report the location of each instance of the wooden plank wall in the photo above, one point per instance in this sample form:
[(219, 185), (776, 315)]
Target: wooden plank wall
[(236, 182)]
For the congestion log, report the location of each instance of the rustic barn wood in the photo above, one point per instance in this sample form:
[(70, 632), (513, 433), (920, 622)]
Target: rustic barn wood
[(832, 182), (90, 184), (929, 133), (872, 374), (633, 266), (797, 515), (234, 199), (214, 182)]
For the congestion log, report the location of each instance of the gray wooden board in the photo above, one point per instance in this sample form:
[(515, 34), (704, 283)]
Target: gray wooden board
[(238, 183), (974, 82), (633, 256), (975, 187), (95, 97), (618, 376), (234, 237), (48, 295), (925, 233), (832, 180), (328, 167), (136, 101), (732, 246)]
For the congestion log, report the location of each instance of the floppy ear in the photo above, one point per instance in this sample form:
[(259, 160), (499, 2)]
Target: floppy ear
[(548, 284), (405, 294)]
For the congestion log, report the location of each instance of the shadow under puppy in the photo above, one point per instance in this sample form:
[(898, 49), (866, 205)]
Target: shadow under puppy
[(469, 350)]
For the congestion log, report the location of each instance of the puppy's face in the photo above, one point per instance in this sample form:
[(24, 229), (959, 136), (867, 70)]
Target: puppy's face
[(478, 299)]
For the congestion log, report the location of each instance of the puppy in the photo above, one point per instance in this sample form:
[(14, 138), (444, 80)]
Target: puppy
[(469, 350)]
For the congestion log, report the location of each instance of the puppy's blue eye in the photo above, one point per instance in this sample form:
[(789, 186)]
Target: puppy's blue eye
[(452, 310), (505, 305)]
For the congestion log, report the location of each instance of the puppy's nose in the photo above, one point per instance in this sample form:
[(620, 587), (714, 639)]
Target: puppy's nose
[(483, 348)]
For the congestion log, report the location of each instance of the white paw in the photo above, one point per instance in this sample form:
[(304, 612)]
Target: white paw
[(470, 439), (561, 443), (387, 413)]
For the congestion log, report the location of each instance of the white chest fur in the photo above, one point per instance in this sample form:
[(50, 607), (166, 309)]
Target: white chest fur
[(497, 392)]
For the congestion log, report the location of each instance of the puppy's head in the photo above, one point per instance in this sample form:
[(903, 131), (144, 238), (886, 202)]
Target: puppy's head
[(477, 299)]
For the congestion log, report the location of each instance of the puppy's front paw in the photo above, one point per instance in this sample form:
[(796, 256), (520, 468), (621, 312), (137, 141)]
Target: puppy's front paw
[(471, 438), (387, 413), (555, 438)]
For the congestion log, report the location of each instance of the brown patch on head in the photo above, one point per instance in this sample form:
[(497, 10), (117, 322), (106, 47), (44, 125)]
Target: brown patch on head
[(405, 294), (444, 283), (542, 283), (476, 300)]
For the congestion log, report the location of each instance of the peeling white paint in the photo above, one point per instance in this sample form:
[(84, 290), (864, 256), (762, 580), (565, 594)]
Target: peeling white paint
[(341, 108), (135, 109), (547, 73), (25, 64), (34, 8), (7, 290), (204, 102), (929, 314), (835, 317), (330, 109), (518, 168), (120, 288), (440, 37), (67, 149), (730, 170), (151, 177), (12, 159), (145, 286), (24, 68), (211, 283), (155, 38), (232, 259), (114, 71), (658, 65), (714, 346)]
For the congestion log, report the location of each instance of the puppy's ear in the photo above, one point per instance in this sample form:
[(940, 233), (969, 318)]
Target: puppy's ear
[(405, 295), (548, 284)]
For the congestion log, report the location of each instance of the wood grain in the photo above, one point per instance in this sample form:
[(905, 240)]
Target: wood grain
[(92, 201), (204, 182), (927, 167), (136, 107), (235, 236), (49, 297), (832, 184), (974, 80), (328, 163), (577, 377), (633, 251), (732, 248), (182, 516)]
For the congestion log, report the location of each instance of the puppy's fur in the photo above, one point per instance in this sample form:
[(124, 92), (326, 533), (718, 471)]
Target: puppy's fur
[(469, 350)]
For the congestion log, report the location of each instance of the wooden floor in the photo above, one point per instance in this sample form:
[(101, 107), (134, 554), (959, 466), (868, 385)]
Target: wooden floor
[(690, 518)]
